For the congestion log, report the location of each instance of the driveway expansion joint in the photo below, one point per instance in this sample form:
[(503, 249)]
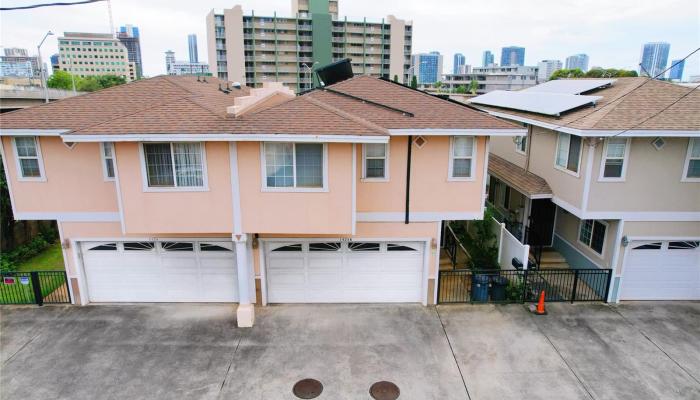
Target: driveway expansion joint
[(444, 331)]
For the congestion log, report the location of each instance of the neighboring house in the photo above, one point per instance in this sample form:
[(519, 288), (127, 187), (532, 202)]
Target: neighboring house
[(176, 189), (609, 176)]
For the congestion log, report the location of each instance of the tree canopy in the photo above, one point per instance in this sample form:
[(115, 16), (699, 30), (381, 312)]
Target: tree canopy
[(414, 82), (594, 73), (64, 80)]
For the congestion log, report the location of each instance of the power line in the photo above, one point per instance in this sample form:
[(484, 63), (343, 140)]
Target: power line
[(630, 92), (48, 5)]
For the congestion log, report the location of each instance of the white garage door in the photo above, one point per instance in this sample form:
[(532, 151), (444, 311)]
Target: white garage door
[(337, 272), (187, 271), (662, 271)]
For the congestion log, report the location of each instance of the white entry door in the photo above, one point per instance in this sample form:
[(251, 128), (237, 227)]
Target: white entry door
[(338, 272), (662, 270), (165, 271)]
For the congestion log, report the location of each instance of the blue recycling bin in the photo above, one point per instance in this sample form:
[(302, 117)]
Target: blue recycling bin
[(480, 288)]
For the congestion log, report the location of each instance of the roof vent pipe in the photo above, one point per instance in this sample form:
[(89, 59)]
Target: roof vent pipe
[(237, 85)]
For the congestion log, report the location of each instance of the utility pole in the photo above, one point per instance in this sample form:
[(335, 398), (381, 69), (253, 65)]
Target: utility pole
[(41, 67)]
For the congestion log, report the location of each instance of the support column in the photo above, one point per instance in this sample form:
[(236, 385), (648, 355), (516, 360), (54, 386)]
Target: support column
[(245, 315)]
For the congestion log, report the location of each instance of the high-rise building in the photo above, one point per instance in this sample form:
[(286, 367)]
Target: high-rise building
[(512, 55), (427, 67), (577, 61), (676, 72), (16, 62), (654, 58), (192, 47), (458, 63), (129, 36), (175, 67), (54, 62), (90, 54), (253, 49), (487, 60), (546, 68)]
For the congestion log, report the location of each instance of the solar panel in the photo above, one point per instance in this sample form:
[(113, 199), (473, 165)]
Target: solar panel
[(570, 86), (536, 102)]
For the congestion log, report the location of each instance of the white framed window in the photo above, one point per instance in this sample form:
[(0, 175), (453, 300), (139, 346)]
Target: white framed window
[(613, 163), (375, 161), (289, 167), (521, 144), (591, 233), (462, 157), (30, 166), (568, 155), (173, 167), (107, 152), (691, 170)]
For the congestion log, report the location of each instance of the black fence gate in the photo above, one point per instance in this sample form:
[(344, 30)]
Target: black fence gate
[(517, 286), (36, 287)]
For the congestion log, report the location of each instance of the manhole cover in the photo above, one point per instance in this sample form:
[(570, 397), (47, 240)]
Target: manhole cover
[(384, 391), (307, 389)]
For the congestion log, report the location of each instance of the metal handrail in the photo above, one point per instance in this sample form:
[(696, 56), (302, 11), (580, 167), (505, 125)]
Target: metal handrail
[(452, 244)]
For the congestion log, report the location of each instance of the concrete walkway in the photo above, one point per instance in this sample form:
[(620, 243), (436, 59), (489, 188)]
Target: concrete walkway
[(583, 351)]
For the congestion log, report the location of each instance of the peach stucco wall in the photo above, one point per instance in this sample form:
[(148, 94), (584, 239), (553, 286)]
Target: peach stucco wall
[(74, 180), (430, 189), (172, 212), (296, 212)]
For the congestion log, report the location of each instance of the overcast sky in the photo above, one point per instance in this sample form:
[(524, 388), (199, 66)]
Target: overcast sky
[(610, 32)]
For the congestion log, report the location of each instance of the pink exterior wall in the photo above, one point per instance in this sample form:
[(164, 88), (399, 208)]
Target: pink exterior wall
[(296, 212), (430, 189), (173, 212), (74, 180)]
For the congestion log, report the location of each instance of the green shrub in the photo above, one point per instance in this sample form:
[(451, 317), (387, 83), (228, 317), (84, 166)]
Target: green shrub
[(482, 247), (10, 259)]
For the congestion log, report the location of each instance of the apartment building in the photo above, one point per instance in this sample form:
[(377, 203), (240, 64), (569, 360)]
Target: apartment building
[(253, 49), (546, 68), (607, 177), (16, 62), (130, 37), (181, 67), (92, 54), (172, 189), (494, 78)]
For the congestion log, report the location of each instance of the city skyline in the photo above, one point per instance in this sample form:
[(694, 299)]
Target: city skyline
[(560, 31)]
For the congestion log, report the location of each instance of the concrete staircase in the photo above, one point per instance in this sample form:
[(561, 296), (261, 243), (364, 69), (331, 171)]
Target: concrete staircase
[(551, 259)]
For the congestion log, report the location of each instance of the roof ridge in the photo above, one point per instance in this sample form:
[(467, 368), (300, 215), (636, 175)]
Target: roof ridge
[(346, 115)]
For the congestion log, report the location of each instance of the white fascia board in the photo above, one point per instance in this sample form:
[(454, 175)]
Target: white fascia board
[(599, 132), (32, 132), (225, 137), (458, 132), (417, 216), (635, 216)]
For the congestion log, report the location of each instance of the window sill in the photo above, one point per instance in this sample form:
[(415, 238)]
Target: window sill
[(567, 171), (174, 189), (293, 190), (690, 180), (613, 180), (458, 179), (522, 153), (35, 179), (374, 180)]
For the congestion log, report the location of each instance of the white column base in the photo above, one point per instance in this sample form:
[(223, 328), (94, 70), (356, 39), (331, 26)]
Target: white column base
[(245, 315)]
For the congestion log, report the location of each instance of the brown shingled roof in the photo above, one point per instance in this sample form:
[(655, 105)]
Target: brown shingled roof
[(630, 103), (183, 105), (524, 181), (172, 103)]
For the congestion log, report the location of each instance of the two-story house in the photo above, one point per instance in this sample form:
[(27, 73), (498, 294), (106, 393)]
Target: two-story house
[(608, 175), (181, 189)]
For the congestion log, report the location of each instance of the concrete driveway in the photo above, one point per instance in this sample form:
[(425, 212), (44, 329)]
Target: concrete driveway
[(583, 351)]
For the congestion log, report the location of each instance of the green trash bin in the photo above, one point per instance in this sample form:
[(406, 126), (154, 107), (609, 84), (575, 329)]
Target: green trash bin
[(498, 288)]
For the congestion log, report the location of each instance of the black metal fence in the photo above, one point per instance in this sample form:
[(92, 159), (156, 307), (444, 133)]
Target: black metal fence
[(36, 287), (516, 286)]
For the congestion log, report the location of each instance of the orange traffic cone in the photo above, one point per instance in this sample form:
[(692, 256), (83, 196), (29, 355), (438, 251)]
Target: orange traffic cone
[(540, 305)]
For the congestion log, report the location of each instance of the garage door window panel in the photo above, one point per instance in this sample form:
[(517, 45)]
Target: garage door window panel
[(333, 246), (104, 247), (177, 246), (683, 245), (213, 247), (364, 246), (649, 246), (398, 247), (139, 246), (290, 248)]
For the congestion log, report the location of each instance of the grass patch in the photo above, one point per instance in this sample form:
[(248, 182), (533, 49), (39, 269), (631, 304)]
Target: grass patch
[(50, 259)]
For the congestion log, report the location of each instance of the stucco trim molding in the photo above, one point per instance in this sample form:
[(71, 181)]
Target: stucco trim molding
[(416, 216), (70, 216), (649, 216)]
